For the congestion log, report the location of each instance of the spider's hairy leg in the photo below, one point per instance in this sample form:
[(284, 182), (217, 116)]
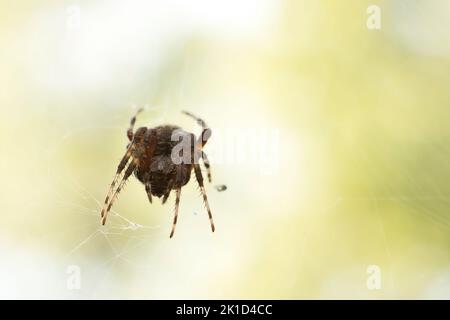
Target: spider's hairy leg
[(206, 132), (199, 121), (166, 196), (175, 217), (133, 165), (130, 132), (148, 189), (135, 150), (123, 163), (207, 165), (150, 142), (204, 137), (198, 175)]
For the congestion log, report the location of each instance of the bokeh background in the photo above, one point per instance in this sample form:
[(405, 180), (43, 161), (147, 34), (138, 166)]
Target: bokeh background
[(349, 168)]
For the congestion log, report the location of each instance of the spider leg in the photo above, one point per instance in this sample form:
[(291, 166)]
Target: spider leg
[(148, 189), (175, 217), (123, 163), (198, 175), (207, 165), (199, 121), (130, 132), (166, 196), (127, 174), (206, 132)]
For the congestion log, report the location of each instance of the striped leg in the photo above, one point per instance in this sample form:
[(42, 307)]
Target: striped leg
[(150, 141), (123, 163), (199, 121), (127, 174), (198, 175), (165, 197), (204, 137), (148, 189), (130, 132), (175, 217), (207, 165), (206, 132)]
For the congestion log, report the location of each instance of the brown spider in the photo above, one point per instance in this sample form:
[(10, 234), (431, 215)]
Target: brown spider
[(152, 158)]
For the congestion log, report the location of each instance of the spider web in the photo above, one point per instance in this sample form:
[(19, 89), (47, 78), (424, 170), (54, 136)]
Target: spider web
[(118, 224), (422, 201), (96, 249), (123, 243)]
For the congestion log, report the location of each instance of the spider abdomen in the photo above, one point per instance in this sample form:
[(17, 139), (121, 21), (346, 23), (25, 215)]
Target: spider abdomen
[(166, 140), (159, 184)]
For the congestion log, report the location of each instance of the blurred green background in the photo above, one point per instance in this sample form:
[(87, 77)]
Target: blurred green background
[(359, 160)]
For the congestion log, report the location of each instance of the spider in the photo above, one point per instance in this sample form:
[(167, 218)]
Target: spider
[(150, 157)]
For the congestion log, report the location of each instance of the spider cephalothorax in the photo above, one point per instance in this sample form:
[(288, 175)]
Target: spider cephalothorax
[(162, 158)]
